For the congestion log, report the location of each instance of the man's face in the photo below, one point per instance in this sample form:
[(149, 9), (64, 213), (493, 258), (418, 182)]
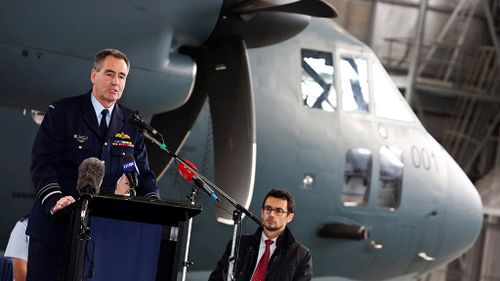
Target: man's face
[(271, 221), (109, 81)]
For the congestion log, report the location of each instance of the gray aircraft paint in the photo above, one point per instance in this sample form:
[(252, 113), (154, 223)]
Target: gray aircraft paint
[(440, 212)]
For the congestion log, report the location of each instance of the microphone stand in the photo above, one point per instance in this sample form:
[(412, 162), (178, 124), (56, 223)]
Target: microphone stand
[(237, 213), (186, 264)]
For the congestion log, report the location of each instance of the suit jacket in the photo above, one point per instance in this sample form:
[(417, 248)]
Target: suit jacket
[(68, 135), (291, 261)]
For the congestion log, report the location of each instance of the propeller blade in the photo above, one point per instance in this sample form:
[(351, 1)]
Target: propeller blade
[(314, 8), (175, 126)]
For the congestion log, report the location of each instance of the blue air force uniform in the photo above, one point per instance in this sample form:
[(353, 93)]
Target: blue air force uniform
[(68, 135)]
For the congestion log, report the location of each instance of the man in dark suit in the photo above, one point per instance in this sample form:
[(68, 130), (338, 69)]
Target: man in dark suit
[(271, 253), (73, 129)]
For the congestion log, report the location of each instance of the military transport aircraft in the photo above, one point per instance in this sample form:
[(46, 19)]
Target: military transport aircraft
[(258, 94)]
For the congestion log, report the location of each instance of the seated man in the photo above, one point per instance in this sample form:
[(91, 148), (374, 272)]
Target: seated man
[(271, 254)]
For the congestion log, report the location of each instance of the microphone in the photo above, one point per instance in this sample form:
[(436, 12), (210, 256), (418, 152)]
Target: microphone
[(131, 172), (190, 177), (90, 175), (135, 119), (201, 184), (186, 174)]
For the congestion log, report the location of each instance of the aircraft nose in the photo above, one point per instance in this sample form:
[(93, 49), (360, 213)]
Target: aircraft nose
[(465, 213)]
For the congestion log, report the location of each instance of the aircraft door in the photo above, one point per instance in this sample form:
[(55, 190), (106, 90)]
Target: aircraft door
[(359, 145)]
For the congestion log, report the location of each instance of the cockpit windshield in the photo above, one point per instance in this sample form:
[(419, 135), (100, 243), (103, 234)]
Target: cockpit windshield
[(389, 103)]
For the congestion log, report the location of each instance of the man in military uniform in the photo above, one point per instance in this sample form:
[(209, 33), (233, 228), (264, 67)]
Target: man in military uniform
[(73, 129)]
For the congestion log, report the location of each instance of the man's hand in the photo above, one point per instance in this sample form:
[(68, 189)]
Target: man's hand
[(122, 186), (63, 203)]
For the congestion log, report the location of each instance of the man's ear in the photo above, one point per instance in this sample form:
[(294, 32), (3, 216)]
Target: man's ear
[(92, 75), (289, 217)]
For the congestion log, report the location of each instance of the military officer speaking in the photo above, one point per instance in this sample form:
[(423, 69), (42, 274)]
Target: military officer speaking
[(73, 129)]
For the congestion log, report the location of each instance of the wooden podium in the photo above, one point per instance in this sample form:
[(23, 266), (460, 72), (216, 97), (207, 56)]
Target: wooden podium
[(170, 215)]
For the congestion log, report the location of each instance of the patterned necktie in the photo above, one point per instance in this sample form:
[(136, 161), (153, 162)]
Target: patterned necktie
[(260, 271), (103, 126)]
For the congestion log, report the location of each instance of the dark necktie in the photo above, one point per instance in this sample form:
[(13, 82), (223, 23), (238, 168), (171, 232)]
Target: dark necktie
[(103, 126), (260, 271)]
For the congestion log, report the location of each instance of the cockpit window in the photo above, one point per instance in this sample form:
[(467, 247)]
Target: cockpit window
[(389, 102), (354, 76), (318, 80), (357, 176), (391, 177)]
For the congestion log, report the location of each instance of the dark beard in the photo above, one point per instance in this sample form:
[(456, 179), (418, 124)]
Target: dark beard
[(271, 229)]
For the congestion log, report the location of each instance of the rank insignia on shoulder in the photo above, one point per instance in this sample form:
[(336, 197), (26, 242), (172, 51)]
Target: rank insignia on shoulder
[(80, 138), (122, 136)]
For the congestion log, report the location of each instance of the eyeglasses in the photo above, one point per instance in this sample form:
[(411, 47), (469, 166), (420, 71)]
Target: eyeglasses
[(277, 211)]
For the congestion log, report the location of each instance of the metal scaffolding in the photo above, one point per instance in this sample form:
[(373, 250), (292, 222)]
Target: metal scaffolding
[(467, 75)]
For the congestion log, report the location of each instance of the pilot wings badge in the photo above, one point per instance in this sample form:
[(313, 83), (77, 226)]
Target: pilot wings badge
[(80, 138)]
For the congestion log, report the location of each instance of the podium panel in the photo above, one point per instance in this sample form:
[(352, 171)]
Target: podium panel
[(122, 238), (122, 250)]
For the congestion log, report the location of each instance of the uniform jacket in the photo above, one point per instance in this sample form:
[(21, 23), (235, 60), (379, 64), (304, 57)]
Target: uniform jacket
[(68, 135), (290, 261)]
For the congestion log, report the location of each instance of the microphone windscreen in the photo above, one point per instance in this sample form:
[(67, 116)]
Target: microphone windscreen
[(186, 174), (90, 175), (133, 116)]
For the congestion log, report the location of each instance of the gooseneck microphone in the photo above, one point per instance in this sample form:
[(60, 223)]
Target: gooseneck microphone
[(131, 171), (190, 177), (135, 119), (149, 132), (200, 184), (90, 175)]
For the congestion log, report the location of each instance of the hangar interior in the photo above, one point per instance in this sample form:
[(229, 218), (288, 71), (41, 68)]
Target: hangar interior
[(444, 56)]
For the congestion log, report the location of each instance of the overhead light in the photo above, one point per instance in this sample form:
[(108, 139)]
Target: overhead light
[(308, 181)]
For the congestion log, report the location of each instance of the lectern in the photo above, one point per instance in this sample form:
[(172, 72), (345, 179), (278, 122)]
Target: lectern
[(168, 214)]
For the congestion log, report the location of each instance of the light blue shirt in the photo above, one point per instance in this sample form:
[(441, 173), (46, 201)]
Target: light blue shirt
[(17, 247), (99, 108)]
